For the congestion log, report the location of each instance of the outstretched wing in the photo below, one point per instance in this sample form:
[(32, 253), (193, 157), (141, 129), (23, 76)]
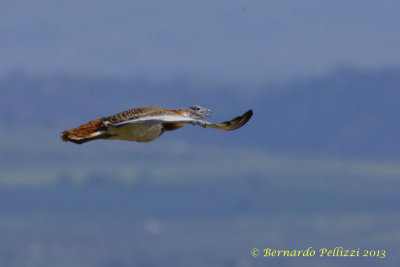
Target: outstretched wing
[(233, 124)]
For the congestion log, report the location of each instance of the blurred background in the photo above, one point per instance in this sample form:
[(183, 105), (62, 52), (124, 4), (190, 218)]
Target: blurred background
[(318, 164)]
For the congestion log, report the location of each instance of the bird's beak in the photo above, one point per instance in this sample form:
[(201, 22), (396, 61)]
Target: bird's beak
[(207, 112)]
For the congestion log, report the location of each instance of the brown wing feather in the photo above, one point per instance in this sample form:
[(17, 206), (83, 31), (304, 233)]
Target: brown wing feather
[(137, 113), (80, 133)]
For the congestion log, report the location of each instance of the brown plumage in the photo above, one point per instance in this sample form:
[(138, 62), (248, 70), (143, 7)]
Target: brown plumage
[(146, 124), (83, 131)]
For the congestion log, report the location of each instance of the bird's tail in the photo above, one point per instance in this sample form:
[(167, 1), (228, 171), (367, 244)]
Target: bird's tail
[(233, 124), (84, 133)]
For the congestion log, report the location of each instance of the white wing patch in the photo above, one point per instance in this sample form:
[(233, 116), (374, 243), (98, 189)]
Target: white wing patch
[(162, 119), (96, 134)]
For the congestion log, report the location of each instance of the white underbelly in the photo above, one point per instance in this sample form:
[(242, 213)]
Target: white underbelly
[(136, 132)]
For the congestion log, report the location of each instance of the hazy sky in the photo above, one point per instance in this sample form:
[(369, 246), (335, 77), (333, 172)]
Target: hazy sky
[(225, 40)]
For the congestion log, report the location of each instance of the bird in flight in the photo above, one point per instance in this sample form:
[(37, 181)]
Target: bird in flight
[(146, 124)]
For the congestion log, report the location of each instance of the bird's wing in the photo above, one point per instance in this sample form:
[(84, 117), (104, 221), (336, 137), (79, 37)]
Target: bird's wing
[(134, 113), (168, 118)]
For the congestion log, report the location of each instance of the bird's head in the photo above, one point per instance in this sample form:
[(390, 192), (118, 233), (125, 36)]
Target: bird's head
[(197, 112)]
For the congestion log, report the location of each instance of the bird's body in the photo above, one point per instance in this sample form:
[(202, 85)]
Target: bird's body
[(146, 124), (136, 132)]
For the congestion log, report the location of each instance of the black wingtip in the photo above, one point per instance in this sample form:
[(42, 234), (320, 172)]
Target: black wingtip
[(247, 116), (248, 113)]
